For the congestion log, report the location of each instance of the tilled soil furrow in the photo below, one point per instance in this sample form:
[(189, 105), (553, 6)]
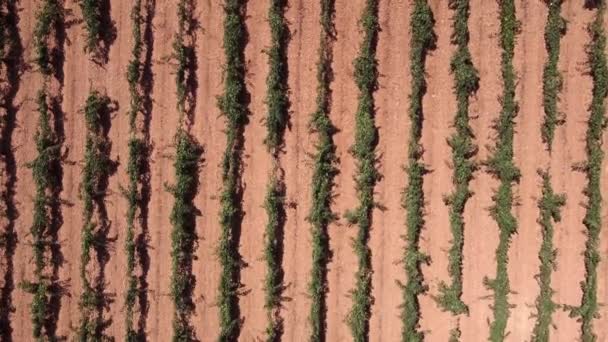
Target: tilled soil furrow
[(303, 18)]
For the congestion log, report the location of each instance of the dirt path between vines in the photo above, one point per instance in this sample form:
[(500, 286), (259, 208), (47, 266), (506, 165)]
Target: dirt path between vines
[(256, 168), (342, 268), (481, 232), (24, 152), (209, 127), (530, 154), (439, 108), (303, 19), (393, 124), (569, 149)]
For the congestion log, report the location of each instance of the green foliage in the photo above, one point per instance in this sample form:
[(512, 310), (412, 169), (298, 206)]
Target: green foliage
[(46, 181), (46, 175), (183, 235), (233, 106), (588, 311), (549, 206), (48, 15), (277, 98), (320, 215), (277, 101), (39, 308), (97, 167), (183, 52), (552, 79), (273, 248), (134, 67), (91, 13), (366, 137), (186, 165), (423, 40), (502, 166), (138, 151), (455, 335), (466, 83)]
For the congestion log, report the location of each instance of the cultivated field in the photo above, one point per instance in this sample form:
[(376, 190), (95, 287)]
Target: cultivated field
[(293, 170)]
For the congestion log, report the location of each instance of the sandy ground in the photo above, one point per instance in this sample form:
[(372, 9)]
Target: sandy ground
[(302, 17), (341, 275), (569, 147), (481, 231), (530, 154), (388, 225), (439, 107), (208, 126), (257, 165)]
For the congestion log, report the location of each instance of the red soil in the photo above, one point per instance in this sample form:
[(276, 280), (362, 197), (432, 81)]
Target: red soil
[(569, 149), (530, 154), (391, 118), (481, 231), (392, 101)]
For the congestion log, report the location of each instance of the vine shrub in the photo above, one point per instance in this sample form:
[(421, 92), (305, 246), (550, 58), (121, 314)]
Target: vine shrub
[(423, 40), (588, 310), (466, 84), (502, 166), (366, 137), (321, 215), (233, 106)]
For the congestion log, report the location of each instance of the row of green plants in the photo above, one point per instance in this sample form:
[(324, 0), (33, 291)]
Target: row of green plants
[(466, 83), (47, 16), (423, 41), (274, 204), (549, 205), (12, 66), (555, 28), (233, 106), (588, 310), (100, 29), (96, 170), (501, 165), (183, 52), (277, 101), (366, 138), (138, 151), (187, 162), (183, 235), (91, 15), (46, 181), (46, 175), (324, 171)]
